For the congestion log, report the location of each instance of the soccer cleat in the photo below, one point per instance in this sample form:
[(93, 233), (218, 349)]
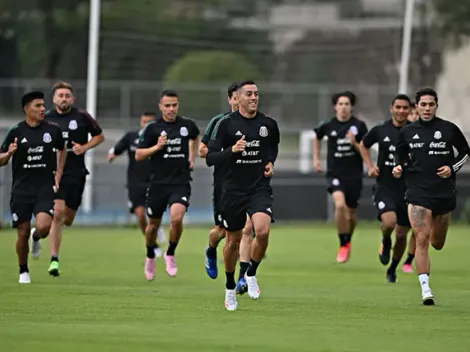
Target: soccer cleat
[(427, 298), (149, 268), (230, 300), (161, 237), (211, 266), (35, 246), (158, 252), (24, 278), (407, 268), (391, 277), (170, 263), (54, 269), (253, 288), (343, 253), (241, 287), (384, 254)]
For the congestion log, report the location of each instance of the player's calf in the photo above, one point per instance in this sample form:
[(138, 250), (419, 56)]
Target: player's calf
[(389, 220), (440, 226), (232, 243), (43, 226)]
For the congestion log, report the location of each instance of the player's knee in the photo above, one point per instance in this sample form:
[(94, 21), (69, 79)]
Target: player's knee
[(262, 233), (43, 229), (176, 221), (422, 239), (340, 206)]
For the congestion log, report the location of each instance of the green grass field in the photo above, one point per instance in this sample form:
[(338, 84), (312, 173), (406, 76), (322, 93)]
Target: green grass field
[(308, 302)]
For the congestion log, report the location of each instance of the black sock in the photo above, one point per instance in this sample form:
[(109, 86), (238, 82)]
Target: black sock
[(393, 266), (24, 269), (243, 268), (171, 248), (156, 245), (252, 268), (54, 259), (344, 239), (150, 251), (35, 237), (409, 259), (230, 281), (211, 252), (387, 241)]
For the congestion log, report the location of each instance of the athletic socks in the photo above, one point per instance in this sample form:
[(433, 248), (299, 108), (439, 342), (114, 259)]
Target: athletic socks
[(387, 241), (424, 282), (409, 258), (24, 269), (171, 248), (393, 266), (35, 237), (230, 281), (252, 268), (211, 252), (344, 239), (243, 269), (150, 251), (54, 259)]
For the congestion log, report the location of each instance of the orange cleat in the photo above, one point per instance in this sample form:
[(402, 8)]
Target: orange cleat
[(343, 253)]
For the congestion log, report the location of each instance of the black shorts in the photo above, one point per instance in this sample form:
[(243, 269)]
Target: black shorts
[(385, 200), (351, 188), (159, 197), (136, 196), (22, 209), (216, 205), (235, 206), (438, 206), (71, 190)]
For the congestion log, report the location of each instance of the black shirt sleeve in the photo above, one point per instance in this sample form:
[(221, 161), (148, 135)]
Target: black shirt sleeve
[(274, 140), (320, 130), (9, 138), (215, 155), (193, 130), (148, 137), (371, 137), (60, 141), (122, 145), (210, 127), (402, 149), (460, 143), (92, 126), (362, 131)]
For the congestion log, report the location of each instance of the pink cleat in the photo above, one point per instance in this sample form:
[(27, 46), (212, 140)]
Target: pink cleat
[(407, 268), (343, 253), (149, 268), (170, 262)]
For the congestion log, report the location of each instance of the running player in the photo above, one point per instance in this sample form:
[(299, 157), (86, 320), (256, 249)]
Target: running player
[(171, 143), (344, 166), (76, 126), (138, 176), (246, 142), (389, 192), (38, 152), (427, 146)]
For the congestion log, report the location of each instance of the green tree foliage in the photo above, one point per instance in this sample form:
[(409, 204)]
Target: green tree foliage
[(453, 18)]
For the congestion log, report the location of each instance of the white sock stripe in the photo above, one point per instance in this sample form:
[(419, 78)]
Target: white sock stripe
[(460, 163)]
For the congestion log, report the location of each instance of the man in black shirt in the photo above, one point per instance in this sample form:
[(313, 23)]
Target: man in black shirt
[(389, 192), (76, 125), (344, 166), (171, 144), (427, 147), (246, 143), (37, 148), (138, 176)]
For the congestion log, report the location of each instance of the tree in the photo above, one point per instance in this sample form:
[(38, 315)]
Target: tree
[(453, 19)]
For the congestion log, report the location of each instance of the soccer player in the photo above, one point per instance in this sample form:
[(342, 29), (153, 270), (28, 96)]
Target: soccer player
[(138, 176), (413, 114), (171, 143), (218, 232), (389, 192), (38, 152), (428, 147), (76, 125), (344, 166), (246, 142)]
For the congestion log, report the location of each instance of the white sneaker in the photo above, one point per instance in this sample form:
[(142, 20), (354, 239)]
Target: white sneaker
[(231, 300), (35, 246), (161, 237), (253, 288), (158, 252), (24, 278), (427, 298)]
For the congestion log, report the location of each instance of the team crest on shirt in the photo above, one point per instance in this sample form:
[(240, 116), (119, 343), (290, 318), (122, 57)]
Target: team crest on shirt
[(437, 135), (183, 131), (47, 138), (263, 131), (136, 141), (73, 125), (353, 130)]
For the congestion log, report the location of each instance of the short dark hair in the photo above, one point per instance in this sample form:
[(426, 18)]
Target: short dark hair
[(149, 113), (348, 94), (426, 91), (169, 93), (61, 85), (245, 83), (29, 97), (401, 97), (413, 105), (232, 89)]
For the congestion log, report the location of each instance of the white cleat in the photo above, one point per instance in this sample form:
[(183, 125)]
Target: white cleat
[(24, 278), (158, 252), (253, 288), (35, 246), (427, 298), (161, 237), (230, 300)]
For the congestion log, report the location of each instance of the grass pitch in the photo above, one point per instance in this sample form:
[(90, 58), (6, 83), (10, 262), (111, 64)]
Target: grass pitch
[(308, 302)]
